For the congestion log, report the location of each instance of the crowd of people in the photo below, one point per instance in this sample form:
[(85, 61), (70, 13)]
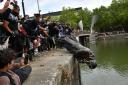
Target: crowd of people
[(27, 37)]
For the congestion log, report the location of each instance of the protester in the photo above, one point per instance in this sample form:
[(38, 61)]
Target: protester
[(53, 33), (12, 73), (32, 27), (10, 26), (6, 5)]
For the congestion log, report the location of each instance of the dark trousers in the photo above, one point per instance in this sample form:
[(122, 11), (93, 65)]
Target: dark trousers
[(15, 43), (23, 72), (51, 42)]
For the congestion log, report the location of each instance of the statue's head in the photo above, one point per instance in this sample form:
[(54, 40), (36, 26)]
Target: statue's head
[(84, 56)]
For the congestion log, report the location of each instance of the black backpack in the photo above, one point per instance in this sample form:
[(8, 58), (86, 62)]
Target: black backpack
[(9, 76)]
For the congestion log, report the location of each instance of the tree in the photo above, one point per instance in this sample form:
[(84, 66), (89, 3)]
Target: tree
[(72, 17), (69, 16), (85, 16), (112, 18)]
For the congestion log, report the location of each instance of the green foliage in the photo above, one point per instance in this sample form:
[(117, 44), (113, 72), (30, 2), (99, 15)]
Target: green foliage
[(72, 17), (85, 16), (55, 18), (68, 15), (112, 18)]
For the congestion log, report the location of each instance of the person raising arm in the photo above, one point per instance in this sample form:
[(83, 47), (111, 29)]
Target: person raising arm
[(6, 5)]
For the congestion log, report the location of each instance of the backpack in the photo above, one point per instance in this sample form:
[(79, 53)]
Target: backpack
[(9, 76)]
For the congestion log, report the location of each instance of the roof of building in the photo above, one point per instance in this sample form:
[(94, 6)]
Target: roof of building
[(58, 12)]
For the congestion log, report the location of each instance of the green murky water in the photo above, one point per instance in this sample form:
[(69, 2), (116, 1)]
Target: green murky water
[(112, 60)]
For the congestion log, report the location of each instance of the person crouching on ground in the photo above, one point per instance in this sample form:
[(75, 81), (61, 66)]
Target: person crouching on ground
[(12, 73)]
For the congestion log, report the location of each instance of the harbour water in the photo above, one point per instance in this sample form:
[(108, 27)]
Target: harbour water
[(112, 60)]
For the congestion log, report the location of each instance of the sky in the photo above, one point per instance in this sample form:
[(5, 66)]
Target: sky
[(47, 6)]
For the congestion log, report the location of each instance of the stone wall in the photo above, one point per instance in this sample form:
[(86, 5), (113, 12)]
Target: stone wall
[(56, 67)]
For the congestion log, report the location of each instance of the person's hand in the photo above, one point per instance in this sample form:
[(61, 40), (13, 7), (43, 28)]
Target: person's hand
[(22, 62), (13, 34), (6, 5)]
